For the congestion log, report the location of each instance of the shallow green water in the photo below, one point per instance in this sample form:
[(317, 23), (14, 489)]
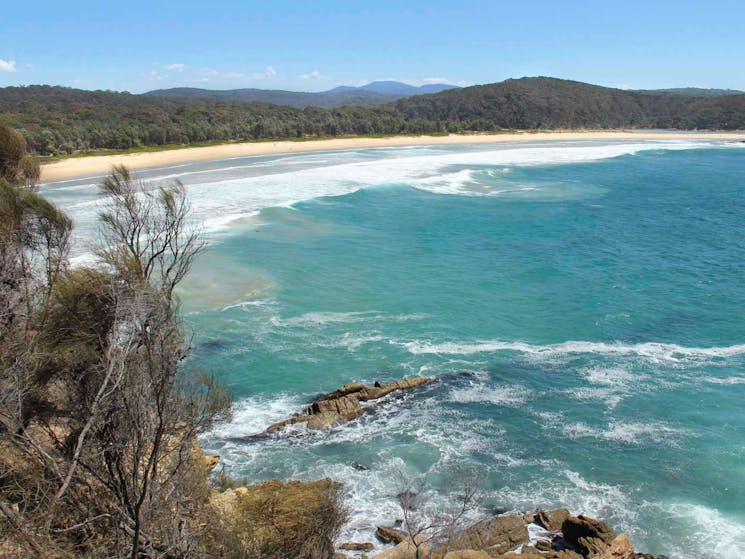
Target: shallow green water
[(582, 306)]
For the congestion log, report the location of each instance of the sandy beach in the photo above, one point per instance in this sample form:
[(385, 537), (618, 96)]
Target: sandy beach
[(96, 165)]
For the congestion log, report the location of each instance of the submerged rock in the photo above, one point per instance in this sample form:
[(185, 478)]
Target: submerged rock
[(357, 546), (343, 404)]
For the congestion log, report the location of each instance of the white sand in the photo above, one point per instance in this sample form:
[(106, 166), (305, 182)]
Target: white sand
[(99, 165)]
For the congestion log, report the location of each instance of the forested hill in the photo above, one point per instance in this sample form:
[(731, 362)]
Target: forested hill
[(64, 120), (531, 103)]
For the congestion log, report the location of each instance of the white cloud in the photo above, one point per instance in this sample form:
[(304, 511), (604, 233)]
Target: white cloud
[(423, 81), (438, 80), (270, 72), (175, 67), (7, 65), (154, 75), (233, 75), (314, 75)]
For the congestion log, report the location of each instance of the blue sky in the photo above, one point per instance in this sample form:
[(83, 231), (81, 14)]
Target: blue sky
[(315, 45)]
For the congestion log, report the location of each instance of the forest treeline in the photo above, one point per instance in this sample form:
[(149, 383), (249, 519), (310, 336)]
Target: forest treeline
[(58, 120)]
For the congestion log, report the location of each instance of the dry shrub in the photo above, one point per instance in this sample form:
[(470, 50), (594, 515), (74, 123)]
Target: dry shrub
[(275, 520)]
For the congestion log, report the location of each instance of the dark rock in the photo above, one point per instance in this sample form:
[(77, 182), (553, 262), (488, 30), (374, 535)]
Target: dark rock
[(360, 467), (387, 535), (496, 510), (576, 527), (563, 554), (356, 546)]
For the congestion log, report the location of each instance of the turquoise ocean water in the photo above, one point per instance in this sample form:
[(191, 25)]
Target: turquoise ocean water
[(582, 306)]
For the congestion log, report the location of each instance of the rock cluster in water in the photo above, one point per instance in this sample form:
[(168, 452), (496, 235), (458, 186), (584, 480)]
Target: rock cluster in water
[(344, 404), (507, 537)]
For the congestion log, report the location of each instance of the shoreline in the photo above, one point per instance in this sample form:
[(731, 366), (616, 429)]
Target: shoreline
[(96, 165)]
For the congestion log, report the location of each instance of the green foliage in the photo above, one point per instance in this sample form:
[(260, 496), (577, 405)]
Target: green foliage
[(59, 120), (16, 166), (223, 482)]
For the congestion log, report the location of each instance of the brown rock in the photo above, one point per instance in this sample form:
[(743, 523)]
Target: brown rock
[(552, 520), (344, 404), (211, 461), (591, 547), (529, 517), (496, 536), (467, 554), (357, 546), (620, 548), (338, 555), (403, 550), (576, 527), (348, 388), (386, 534), (543, 545)]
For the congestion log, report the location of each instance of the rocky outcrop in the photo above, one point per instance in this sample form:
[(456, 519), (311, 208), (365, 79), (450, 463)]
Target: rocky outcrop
[(551, 520), (343, 405), (496, 536), (620, 548), (506, 537), (589, 535)]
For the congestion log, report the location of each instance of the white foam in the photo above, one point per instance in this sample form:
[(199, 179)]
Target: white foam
[(654, 351), (253, 415), (218, 202), (629, 433), (725, 381), (501, 396), (703, 533)]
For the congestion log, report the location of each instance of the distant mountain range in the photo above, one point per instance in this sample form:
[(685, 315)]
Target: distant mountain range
[(370, 95)]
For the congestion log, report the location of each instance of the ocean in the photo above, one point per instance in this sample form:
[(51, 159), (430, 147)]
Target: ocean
[(581, 304)]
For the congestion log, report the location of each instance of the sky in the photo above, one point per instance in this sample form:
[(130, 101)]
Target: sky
[(315, 45)]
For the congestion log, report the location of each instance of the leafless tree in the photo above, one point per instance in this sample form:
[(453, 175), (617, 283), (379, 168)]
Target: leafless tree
[(126, 422), (432, 522)]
